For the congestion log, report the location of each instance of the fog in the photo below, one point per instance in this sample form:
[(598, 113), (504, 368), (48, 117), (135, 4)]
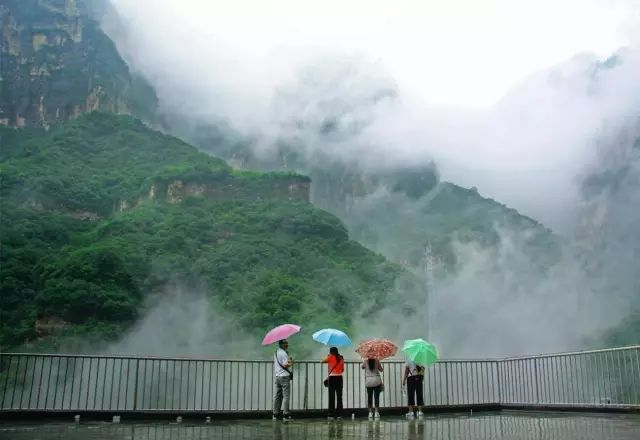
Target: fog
[(514, 98), (186, 322), (514, 112)]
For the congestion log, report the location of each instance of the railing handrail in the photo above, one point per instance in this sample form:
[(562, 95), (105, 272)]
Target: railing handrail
[(205, 359), (268, 361), (571, 353)]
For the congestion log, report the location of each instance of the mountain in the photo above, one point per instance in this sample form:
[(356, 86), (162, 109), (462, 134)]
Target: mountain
[(101, 215), (598, 101), (56, 63), (609, 230), (322, 123), (319, 117)]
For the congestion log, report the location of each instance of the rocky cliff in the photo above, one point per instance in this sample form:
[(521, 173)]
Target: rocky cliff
[(56, 63)]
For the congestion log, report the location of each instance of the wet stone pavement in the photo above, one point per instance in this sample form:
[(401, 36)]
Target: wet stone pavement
[(494, 426)]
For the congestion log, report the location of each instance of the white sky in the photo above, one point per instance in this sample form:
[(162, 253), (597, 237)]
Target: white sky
[(451, 52)]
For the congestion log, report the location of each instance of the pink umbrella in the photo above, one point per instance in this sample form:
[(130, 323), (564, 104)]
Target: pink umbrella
[(280, 332)]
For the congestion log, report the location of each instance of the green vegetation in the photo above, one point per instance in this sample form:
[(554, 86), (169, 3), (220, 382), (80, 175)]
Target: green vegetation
[(96, 162), (446, 215), (72, 251)]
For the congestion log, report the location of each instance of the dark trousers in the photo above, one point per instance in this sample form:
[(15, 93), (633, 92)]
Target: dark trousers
[(373, 393), (335, 396), (414, 390)]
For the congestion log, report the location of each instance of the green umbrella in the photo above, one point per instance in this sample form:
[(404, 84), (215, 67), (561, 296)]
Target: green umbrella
[(420, 352)]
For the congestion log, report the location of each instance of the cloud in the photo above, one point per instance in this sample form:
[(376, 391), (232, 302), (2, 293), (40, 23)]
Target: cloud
[(531, 149), (456, 52), (213, 61), (501, 303)]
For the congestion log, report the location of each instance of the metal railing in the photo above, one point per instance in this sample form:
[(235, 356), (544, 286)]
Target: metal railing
[(121, 383), (596, 377)]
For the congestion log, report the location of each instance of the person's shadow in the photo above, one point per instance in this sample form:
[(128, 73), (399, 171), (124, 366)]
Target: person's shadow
[(336, 429), (280, 431), (416, 429), (373, 429)]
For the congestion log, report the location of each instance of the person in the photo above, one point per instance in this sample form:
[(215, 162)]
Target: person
[(283, 375), (413, 378), (335, 365), (373, 383)]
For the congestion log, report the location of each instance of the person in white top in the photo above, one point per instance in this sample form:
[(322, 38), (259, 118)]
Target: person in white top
[(373, 383), (282, 364), (413, 379)]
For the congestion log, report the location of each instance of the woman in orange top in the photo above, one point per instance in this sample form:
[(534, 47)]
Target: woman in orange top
[(335, 367)]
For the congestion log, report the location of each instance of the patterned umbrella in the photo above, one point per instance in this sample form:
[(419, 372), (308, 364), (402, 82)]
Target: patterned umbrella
[(376, 349)]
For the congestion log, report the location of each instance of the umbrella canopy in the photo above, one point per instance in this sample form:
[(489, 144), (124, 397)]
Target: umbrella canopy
[(280, 332), (333, 337), (376, 349), (420, 352)]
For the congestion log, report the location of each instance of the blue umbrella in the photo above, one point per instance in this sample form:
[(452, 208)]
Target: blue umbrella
[(333, 337)]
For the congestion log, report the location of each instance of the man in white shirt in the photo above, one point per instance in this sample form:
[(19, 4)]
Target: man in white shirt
[(282, 371)]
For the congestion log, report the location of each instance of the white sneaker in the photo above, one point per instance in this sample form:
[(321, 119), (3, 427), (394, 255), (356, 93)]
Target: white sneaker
[(370, 415), (420, 414), (377, 415), (410, 415)]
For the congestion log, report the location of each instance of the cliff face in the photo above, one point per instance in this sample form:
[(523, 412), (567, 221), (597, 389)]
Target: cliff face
[(284, 188), (56, 64), (608, 231)]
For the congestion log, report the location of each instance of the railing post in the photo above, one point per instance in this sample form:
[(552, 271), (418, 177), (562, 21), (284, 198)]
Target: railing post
[(535, 372), (135, 386), (499, 378), (306, 386), (446, 380), (6, 382)]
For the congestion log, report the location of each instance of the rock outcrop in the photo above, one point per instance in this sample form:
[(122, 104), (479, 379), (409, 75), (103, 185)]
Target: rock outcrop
[(56, 63)]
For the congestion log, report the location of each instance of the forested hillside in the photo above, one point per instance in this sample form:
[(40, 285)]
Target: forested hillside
[(102, 212)]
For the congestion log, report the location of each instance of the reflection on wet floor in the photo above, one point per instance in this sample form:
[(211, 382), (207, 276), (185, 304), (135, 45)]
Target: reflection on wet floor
[(495, 426)]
